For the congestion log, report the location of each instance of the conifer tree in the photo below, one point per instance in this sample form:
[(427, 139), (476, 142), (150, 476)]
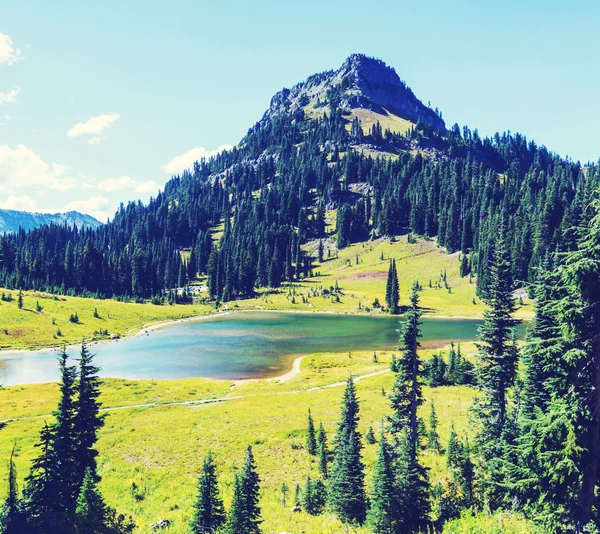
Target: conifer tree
[(244, 514), (382, 497), (11, 515), (322, 451), (392, 293), (87, 421), (311, 442), (209, 512), (64, 439), (407, 396), (90, 513), (433, 438), (346, 491), (498, 357)]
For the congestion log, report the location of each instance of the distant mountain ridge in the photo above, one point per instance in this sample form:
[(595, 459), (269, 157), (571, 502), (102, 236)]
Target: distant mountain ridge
[(12, 220)]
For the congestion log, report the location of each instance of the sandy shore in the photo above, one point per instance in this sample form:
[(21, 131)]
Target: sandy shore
[(293, 372)]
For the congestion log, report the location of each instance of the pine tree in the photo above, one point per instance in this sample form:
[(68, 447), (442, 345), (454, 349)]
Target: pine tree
[(64, 440), (392, 293), (209, 512), (87, 421), (433, 438), (346, 491), (370, 436), (498, 357), (244, 514), (464, 266), (11, 515), (311, 442), (322, 451), (91, 512), (20, 300), (407, 396), (313, 496), (382, 497)]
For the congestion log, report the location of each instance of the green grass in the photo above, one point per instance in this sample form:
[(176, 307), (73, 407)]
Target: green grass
[(150, 455), (28, 328), (364, 281)]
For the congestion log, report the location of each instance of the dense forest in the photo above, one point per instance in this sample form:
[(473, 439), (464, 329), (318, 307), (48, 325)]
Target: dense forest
[(270, 196)]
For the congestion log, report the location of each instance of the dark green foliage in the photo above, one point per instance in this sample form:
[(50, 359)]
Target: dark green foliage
[(370, 436), (383, 514), (87, 421), (322, 451), (496, 371), (244, 513), (20, 300), (90, 513), (311, 441), (407, 395), (392, 290), (313, 496), (433, 438), (209, 512), (346, 487), (12, 520)]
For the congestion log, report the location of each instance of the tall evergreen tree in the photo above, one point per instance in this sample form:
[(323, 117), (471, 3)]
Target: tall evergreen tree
[(311, 442), (209, 512), (433, 438), (346, 486), (497, 366), (12, 520), (322, 451), (87, 421), (91, 511), (383, 495), (244, 513)]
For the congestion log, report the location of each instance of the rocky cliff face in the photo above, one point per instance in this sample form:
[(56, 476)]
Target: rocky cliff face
[(11, 220), (361, 82)]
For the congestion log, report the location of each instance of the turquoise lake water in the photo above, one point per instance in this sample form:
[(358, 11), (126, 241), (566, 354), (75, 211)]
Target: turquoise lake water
[(235, 346)]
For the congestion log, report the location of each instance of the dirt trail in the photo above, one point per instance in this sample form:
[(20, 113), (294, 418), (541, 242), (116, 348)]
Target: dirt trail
[(207, 402)]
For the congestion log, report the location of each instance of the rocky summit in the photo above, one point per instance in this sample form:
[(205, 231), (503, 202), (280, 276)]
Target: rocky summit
[(361, 82)]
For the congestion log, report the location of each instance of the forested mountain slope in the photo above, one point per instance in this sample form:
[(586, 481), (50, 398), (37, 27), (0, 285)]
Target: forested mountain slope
[(356, 144)]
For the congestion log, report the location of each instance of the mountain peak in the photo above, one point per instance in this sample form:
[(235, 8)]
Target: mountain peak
[(361, 83)]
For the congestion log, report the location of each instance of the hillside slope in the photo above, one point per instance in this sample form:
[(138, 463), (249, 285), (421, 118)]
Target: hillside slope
[(347, 156)]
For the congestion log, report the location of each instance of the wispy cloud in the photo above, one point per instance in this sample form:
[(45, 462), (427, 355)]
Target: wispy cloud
[(98, 207), (94, 125), (186, 160), (9, 55), (9, 97), (96, 140)]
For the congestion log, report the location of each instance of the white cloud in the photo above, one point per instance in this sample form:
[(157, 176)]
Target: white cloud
[(94, 125), (96, 140), (19, 203), (147, 187), (10, 97), (9, 55), (21, 167), (117, 184), (186, 160), (98, 207)]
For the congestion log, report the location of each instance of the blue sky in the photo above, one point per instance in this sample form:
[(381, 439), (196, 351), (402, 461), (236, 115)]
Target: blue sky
[(101, 101)]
